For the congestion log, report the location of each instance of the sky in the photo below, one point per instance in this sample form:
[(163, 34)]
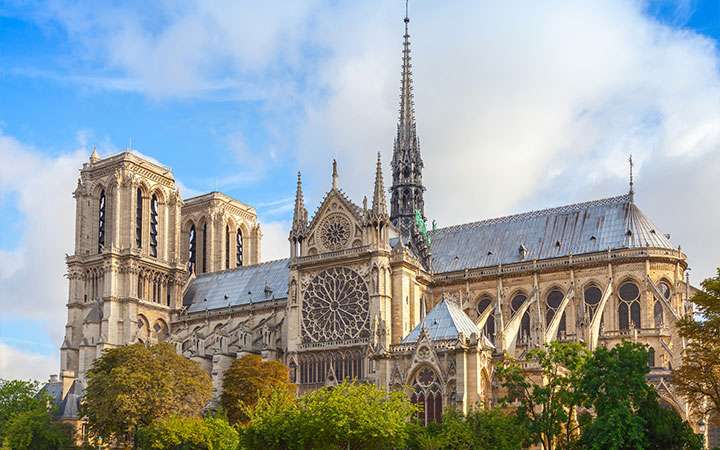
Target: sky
[(519, 106)]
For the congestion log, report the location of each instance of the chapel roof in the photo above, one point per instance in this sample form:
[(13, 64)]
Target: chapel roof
[(599, 225), (241, 286), (444, 322)]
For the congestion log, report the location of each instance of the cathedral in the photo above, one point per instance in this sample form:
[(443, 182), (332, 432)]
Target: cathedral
[(368, 292)]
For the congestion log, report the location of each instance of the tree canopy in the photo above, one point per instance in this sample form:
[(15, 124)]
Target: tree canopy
[(188, 433), (698, 377), (130, 387), (250, 378)]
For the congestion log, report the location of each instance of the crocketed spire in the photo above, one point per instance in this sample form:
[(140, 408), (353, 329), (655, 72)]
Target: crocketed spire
[(379, 207), (299, 225)]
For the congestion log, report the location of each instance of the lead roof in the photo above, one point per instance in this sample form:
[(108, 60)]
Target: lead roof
[(444, 322), (610, 223)]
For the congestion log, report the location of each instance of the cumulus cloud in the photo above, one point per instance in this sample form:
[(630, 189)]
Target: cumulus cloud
[(275, 240), (31, 281), (17, 364)]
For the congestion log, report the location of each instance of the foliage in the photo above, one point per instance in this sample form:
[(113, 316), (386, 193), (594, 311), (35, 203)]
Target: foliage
[(248, 379), (699, 375), (34, 429), (188, 433), (615, 383), (131, 386), (480, 429), (347, 416), (26, 418), (548, 400), (665, 429)]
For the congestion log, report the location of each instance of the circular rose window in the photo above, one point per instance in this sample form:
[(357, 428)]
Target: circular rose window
[(335, 232), (335, 307)]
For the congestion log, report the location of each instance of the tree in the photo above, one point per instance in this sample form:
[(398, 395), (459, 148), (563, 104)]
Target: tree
[(547, 401), (132, 386), (615, 385), (698, 377), (26, 418), (665, 429), (248, 379), (188, 433), (347, 416)]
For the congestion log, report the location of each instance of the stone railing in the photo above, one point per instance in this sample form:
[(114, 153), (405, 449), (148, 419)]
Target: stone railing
[(332, 255)]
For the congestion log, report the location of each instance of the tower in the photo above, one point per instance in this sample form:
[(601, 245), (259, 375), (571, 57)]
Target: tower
[(126, 274), (407, 188)]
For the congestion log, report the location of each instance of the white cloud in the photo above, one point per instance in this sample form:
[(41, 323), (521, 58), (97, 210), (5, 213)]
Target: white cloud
[(17, 364), (32, 281), (275, 243)]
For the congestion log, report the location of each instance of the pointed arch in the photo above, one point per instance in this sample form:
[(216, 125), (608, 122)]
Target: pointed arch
[(518, 299)]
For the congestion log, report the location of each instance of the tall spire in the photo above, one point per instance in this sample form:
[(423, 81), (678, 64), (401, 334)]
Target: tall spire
[(407, 188), (335, 177), (378, 204), (632, 184), (299, 224)]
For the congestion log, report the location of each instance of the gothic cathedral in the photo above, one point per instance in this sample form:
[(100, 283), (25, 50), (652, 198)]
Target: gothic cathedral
[(368, 292)]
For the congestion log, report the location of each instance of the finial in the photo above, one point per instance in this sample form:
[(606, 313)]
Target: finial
[(632, 184), (94, 157), (334, 175), (407, 19)]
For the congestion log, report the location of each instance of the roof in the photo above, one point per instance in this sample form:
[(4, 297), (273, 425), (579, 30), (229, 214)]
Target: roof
[(70, 405), (610, 223), (444, 322), (244, 285)]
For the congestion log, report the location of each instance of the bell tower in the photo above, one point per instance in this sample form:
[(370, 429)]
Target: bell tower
[(126, 275)]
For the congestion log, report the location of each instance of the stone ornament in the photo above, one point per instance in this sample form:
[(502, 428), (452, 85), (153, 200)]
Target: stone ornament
[(335, 232)]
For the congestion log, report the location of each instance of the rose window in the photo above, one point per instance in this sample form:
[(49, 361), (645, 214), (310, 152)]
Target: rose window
[(335, 232), (335, 307)]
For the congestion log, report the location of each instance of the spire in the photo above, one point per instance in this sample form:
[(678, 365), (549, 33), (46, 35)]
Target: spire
[(378, 203), (407, 188), (335, 178), (632, 184), (94, 157), (300, 213)]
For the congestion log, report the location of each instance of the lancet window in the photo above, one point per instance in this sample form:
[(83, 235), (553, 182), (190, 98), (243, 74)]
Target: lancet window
[(629, 306), (489, 328), (320, 368), (227, 246), (101, 222), (658, 312), (192, 247), (553, 301), (138, 217), (427, 394), (592, 296), (204, 248), (517, 302), (154, 226), (239, 248)]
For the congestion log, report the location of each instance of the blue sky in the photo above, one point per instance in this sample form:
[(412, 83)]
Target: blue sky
[(238, 97)]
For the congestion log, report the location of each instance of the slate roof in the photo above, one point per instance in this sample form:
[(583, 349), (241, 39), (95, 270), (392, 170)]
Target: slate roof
[(444, 322), (610, 223), (249, 284)]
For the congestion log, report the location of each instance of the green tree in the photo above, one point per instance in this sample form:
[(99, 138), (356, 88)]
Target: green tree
[(547, 399), (347, 416), (665, 429), (131, 386), (698, 377), (615, 385), (188, 433), (248, 379), (26, 418)]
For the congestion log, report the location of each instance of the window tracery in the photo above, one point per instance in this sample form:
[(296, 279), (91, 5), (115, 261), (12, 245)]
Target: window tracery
[(489, 328), (592, 296), (335, 232), (427, 394), (553, 301), (239, 248), (101, 222), (318, 368), (192, 248), (336, 307), (138, 217), (628, 306), (515, 304), (154, 226)]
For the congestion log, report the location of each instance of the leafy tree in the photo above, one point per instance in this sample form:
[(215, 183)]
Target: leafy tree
[(698, 378), (347, 416), (188, 433), (547, 401), (26, 418), (248, 379), (615, 384), (665, 429), (130, 387)]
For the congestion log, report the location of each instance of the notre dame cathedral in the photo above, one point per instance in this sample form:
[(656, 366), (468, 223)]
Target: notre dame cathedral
[(368, 292)]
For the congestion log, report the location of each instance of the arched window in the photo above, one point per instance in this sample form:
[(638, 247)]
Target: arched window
[(227, 246), (592, 296), (204, 248), (629, 306), (651, 357), (239, 248), (427, 394), (517, 301), (658, 312), (101, 222), (154, 226), (138, 217), (554, 300), (489, 329), (192, 249)]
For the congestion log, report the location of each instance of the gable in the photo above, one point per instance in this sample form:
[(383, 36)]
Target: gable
[(336, 225)]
